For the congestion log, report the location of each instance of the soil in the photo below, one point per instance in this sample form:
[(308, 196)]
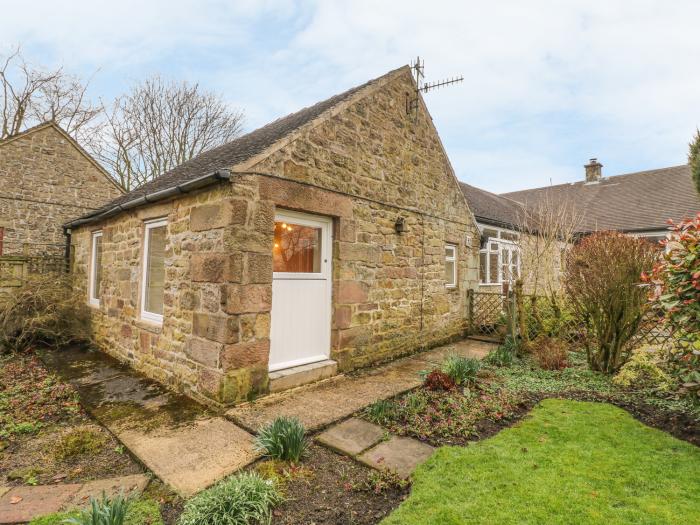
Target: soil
[(48, 412), (336, 490)]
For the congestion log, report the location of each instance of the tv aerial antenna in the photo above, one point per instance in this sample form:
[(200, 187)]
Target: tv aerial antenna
[(418, 70)]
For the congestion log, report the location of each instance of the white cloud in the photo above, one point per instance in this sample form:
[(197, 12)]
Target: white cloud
[(547, 83)]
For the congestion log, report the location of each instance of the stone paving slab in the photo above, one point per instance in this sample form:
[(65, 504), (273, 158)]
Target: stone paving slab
[(400, 454), (35, 501), (126, 485), (179, 440), (351, 436), (321, 404), (190, 458)]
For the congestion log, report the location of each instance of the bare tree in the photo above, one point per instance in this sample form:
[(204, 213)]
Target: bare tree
[(31, 95), (160, 124)]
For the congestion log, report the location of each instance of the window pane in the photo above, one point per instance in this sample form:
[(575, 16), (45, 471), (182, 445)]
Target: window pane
[(482, 267), (492, 234), (449, 251), (155, 272), (509, 236), (97, 269), (450, 273), (297, 248), (493, 267)]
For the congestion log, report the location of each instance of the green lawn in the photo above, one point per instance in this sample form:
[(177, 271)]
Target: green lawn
[(570, 462)]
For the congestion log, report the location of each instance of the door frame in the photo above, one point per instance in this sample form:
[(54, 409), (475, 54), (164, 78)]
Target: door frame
[(326, 225)]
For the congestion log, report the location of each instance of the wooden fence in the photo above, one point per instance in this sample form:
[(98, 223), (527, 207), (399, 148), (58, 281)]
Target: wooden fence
[(492, 316)]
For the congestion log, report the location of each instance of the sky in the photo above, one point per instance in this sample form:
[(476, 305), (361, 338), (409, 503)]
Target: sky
[(547, 84)]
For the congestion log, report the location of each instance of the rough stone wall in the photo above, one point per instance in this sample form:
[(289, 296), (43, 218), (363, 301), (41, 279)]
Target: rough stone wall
[(44, 182), (214, 340), (380, 163)]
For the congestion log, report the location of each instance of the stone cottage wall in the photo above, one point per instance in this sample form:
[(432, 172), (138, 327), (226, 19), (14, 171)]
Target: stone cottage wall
[(370, 164), (44, 182), (216, 299)]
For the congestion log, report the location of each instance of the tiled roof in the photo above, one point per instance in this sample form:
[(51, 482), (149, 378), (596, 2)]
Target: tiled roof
[(490, 208), (238, 150), (632, 202)]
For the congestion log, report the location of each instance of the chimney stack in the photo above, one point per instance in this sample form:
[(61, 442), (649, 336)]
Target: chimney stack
[(594, 170)]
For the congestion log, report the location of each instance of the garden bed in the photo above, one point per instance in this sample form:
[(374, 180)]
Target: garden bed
[(45, 435), (335, 490), (502, 396)]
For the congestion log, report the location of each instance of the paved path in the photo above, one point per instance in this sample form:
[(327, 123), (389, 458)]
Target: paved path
[(323, 403), (22, 504), (181, 442)]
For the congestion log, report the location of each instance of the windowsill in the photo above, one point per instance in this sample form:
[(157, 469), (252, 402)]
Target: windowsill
[(94, 304), (453, 288), (490, 284), (149, 325)]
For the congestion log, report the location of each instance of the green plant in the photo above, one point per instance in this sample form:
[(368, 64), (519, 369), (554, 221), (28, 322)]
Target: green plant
[(645, 371), (78, 441), (23, 427), (503, 355), (140, 512), (380, 411), (44, 309), (602, 278), (675, 282), (284, 439), (242, 499), (380, 481), (462, 370), (549, 353), (103, 511), (694, 159)]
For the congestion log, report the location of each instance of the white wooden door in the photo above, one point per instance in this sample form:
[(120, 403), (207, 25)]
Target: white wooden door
[(300, 331)]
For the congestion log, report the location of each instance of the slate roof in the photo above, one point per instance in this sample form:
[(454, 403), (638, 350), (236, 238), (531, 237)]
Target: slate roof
[(638, 201), (238, 150), (492, 209)]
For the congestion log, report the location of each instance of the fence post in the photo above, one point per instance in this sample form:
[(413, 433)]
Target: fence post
[(470, 310), (512, 315)]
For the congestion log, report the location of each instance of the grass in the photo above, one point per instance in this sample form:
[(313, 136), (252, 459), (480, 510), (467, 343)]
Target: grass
[(568, 462), (78, 441)]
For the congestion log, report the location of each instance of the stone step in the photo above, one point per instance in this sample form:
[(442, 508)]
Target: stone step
[(301, 375)]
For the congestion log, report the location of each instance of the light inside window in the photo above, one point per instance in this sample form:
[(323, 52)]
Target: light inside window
[(296, 248)]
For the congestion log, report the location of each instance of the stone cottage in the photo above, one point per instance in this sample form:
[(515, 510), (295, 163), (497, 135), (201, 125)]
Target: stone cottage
[(46, 179), (328, 240)]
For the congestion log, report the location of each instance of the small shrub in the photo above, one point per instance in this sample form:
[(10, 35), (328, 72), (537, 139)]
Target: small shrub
[(438, 380), (283, 439), (462, 370), (644, 371), (77, 442), (380, 481), (603, 283), (103, 511), (550, 353), (45, 309), (242, 499), (380, 412)]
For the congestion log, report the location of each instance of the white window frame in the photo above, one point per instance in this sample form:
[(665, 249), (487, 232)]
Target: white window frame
[(145, 314), (501, 244), (451, 258), (93, 300)]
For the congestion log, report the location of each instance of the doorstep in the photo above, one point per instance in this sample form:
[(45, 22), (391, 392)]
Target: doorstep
[(301, 375)]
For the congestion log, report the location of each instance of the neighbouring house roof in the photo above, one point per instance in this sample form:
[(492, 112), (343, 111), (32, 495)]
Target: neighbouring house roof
[(237, 151), (71, 140), (640, 201), (489, 208)]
